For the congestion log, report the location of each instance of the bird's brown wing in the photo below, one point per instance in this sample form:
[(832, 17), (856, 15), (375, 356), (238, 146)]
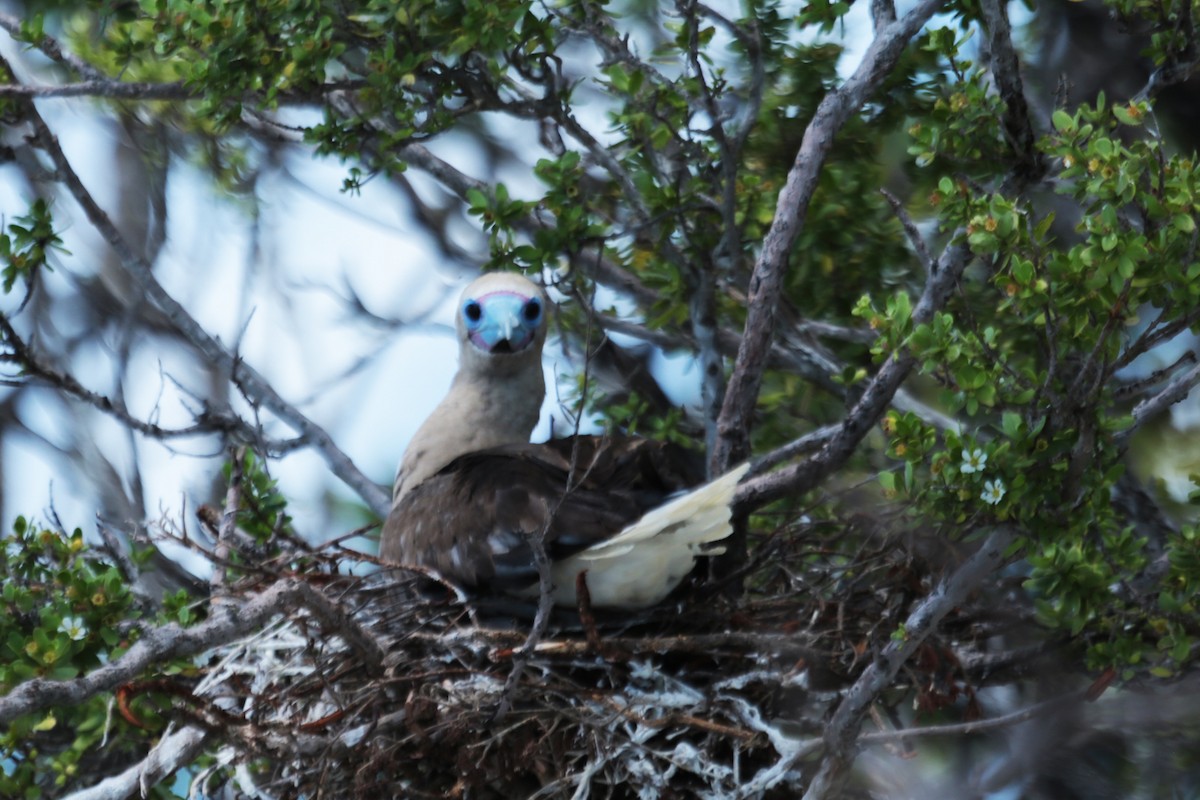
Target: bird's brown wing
[(473, 520)]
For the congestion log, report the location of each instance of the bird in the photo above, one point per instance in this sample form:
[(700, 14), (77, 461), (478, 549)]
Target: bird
[(630, 514)]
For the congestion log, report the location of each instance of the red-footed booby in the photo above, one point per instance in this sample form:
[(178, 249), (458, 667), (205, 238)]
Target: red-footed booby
[(471, 490)]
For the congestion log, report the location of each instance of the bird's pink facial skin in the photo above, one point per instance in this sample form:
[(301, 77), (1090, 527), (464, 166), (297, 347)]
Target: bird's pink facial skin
[(502, 322)]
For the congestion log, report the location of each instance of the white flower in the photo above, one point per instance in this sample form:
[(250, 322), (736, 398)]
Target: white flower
[(974, 460), (73, 627), (993, 491)]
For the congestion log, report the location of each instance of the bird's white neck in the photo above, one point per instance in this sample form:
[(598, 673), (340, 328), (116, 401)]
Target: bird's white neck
[(491, 402)]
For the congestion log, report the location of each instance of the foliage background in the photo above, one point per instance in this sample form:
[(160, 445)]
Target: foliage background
[(969, 356)]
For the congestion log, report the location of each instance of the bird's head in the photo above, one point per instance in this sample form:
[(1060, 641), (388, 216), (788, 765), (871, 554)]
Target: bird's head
[(502, 315)]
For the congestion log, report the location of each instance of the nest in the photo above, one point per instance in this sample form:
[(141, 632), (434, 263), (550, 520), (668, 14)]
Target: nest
[(397, 685)]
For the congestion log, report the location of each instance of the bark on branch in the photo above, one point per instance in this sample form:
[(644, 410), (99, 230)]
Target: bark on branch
[(228, 623), (880, 391), (842, 732), (766, 282)]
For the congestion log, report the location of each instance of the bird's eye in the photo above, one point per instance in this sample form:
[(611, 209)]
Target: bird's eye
[(472, 311), (533, 310)]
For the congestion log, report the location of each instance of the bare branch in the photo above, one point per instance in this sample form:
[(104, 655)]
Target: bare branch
[(751, 41), (174, 751), (1156, 333), (910, 230), (247, 378), (773, 775), (1157, 376), (541, 621), (157, 644), (751, 642), (875, 398), (228, 523), (975, 726), (786, 359), (843, 728), (807, 443), (1166, 76), (766, 282), (883, 13), (602, 268), (33, 365), (113, 90), (1018, 127), (703, 314), (53, 50), (794, 355), (1179, 388)]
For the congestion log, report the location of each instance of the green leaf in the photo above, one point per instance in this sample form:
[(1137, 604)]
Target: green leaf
[(477, 200), (1130, 114), (1011, 424)]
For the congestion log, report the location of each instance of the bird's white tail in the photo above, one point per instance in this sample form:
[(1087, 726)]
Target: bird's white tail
[(696, 518), (642, 564)]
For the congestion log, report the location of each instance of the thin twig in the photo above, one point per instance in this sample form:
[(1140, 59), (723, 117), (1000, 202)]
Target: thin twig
[(910, 230), (602, 268), (966, 728), (165, 643), (1157, 376), (173, 752), (698, 643), (1156, 333), (50, 46), (33, 366), (883, 13), (843, 729), (228, 523), (537, 545), (112, 90), (878, 394), (254, 385), (807, 443)]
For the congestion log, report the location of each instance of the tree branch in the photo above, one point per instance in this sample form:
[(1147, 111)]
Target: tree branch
[(910, 230), (842, 731), (1006, 69), (1179, 388), (113, 90), (53, 50), (172, 752), (219, 581), (32, 365), (766, 282), (805, 443), (247, 378), (883, 13), (879, 393), (157, 644), (602, 268)]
